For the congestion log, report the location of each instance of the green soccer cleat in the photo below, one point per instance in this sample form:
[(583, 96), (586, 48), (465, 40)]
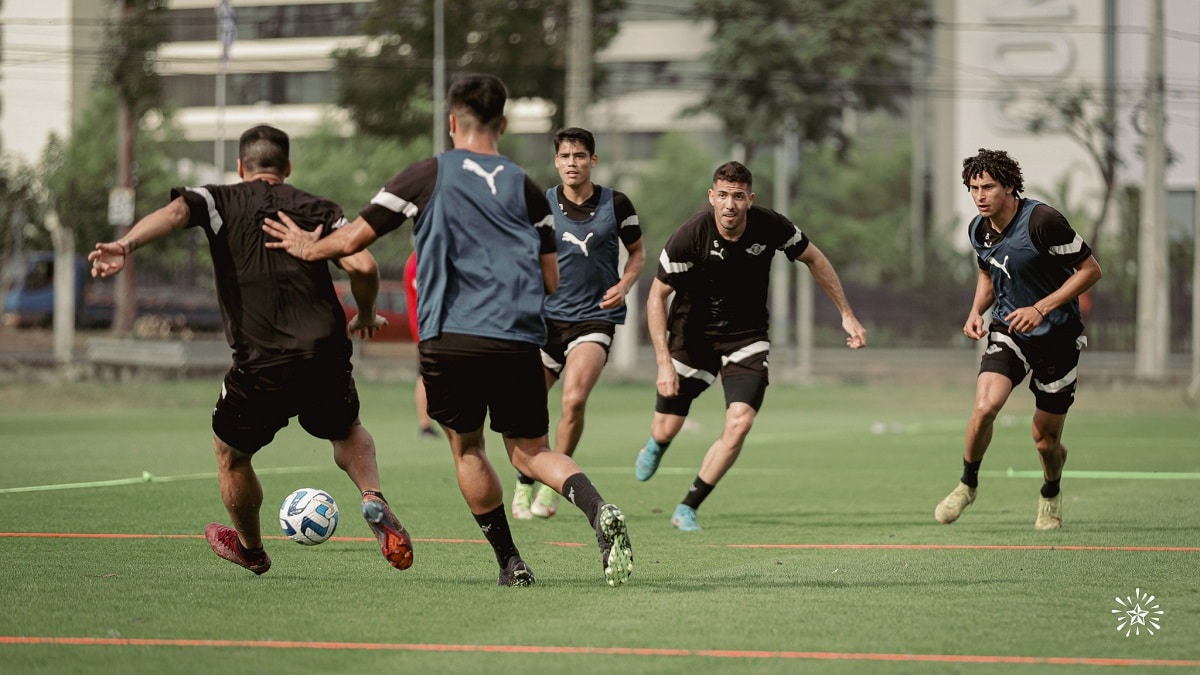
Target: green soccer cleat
[(545, 504), (684, 519), (616, 552), (522, 498)]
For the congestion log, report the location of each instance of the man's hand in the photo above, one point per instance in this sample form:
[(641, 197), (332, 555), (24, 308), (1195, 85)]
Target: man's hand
[(613, 298), (668, 381), (293, 239), (108, 259), (857, 334), (974, 328), (365, 328)]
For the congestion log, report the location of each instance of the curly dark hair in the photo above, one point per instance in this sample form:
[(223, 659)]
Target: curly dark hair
[(998, 165)]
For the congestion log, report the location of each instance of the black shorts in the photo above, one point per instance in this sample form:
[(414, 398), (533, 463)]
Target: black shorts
[(741, 362), (257, 403), (468, 378), (1054, 361), (563, 336)]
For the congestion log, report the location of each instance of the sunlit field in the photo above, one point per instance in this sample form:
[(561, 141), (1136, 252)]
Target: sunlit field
[(819, 550)]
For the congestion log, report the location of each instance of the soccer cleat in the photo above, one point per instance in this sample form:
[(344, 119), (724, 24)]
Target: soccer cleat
[(949, 509), (647, 463), (545, 504), (522, 497), (616, 552), (427, 433), (684, 518), (224, 542), (515, 573), (1049, 515), (394, 541)]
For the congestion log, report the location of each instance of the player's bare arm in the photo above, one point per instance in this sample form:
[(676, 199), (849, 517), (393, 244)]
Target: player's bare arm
[(109, 257), (549, 263), (615, 296), (1025, 319), (826, 277), (656, 320), (363, 271), (984, 297), (305, 245)]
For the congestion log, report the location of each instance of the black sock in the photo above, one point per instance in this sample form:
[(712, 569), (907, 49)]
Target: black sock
[(580, 492), (1050, 488), (494, 525), (524, 480), (697, 493), (970, 476), (251, 553), (377, 493)]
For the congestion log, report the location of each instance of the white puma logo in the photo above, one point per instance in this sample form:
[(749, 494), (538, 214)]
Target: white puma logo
[(571, 238), (1003, 266), (717, 251), (473, 166)]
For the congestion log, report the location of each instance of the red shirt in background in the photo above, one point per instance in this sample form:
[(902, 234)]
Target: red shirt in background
[(410, 293)]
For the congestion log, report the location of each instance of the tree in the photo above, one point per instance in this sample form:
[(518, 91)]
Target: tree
[(780, 66), (1078, 115), (673, 188), (80, 172), (350, 171), (388, 85)]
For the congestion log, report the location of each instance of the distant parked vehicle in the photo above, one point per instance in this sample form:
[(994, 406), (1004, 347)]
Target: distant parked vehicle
[(390, 305), (27, 282)]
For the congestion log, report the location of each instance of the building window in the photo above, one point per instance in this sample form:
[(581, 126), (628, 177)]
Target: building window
[(277, 21)]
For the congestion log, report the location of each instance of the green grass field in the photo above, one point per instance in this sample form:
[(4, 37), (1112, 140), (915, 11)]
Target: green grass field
[(819, 553)]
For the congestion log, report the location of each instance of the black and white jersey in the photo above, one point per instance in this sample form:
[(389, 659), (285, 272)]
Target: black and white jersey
[(480, 225), (721, 285), (276, 308)]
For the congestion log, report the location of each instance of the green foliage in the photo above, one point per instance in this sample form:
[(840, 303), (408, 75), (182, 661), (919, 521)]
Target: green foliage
[(349, 171), (857, 207), (129, 42), (1076, 114), (673, 188), (388, 86), (783, 66), (80, 173)]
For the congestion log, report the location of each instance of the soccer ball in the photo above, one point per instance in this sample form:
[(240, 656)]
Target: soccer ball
[(308, 516)]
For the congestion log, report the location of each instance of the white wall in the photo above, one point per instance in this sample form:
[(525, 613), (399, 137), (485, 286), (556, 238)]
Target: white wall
[(35, 75)]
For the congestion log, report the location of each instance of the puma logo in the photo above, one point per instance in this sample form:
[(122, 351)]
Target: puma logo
[(473, 166), (570, 237), (1003, 266), (717, 251)]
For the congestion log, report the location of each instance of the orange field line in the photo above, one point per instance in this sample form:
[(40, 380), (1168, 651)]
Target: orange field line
[(911, 547), (604, 651)]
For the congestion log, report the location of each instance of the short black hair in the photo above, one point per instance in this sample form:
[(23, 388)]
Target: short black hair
[(733, 172), (264, 148), (575, 135), (998, 165), (479, 97)]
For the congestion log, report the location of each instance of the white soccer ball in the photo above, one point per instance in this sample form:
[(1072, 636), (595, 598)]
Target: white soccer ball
[(308, 516)]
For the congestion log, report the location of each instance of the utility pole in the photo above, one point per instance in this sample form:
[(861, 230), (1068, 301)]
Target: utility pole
[(121, 199), (579, 63), (1153, 320), (439, 76)]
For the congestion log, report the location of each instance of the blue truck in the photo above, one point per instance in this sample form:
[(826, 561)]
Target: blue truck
[(27, 285)]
